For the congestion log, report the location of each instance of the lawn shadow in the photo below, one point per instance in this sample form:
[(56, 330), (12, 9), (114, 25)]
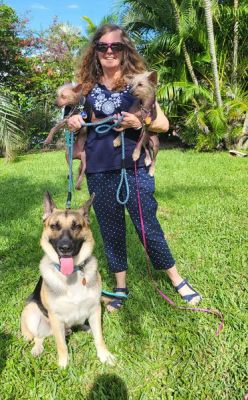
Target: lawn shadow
[(20, 195), (108, 387), (5, 341), (20, 198)]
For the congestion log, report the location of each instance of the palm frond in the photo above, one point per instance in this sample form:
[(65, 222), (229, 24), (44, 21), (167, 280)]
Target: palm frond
[(183, 91), (11, 135), (227, 11), (217, 119)]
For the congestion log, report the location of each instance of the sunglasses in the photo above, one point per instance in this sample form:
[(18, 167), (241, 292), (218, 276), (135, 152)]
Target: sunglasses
[(102, 47)]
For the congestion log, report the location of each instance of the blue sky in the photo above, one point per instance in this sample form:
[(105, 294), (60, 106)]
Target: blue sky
[(41, 12)]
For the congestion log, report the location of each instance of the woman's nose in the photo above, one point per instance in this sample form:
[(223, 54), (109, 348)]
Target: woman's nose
[(109, 50)]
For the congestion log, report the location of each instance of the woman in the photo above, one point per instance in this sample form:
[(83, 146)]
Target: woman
[(109, 58)]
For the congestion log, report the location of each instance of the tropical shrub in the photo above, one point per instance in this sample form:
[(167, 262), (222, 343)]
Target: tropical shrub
[(205, 104), (12, 138)]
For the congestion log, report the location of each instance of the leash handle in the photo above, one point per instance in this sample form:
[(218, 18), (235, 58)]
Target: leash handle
[(123, 175), (162, 294), (102, 128), (96, 123)]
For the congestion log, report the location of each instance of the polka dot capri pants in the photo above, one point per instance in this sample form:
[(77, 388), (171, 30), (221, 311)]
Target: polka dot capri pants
[(111, 217)]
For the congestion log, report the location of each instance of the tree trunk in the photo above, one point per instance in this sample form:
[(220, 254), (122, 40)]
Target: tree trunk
[(243, 141), (245, 126), (210, 30), (185, 51), (189, 65), (235, 45)]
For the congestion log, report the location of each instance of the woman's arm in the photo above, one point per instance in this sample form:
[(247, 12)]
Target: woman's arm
[(161, 123)]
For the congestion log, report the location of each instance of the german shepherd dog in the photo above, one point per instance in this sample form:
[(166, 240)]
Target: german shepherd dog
[(69, 289)]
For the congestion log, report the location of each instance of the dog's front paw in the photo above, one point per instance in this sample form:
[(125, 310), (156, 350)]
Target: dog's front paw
[(147, 161), (106, 357), (37, 350), (28, 337), (117, 142), (136, 155), (152, 170), (63, 361)]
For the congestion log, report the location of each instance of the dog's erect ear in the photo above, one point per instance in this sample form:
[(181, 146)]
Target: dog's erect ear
[(153, 77), (85, 208), (129, 78), (49, 206), (78, 88)]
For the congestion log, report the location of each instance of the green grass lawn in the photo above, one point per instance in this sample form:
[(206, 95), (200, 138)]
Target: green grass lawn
[(162, 353)]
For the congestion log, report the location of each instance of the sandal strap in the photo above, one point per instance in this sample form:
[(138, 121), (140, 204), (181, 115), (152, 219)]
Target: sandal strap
[(120, 295), (189, 297), (121, 290), (182, 284), (116, 303)]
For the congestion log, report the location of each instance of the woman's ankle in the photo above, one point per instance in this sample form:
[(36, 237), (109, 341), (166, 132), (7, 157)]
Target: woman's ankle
[(121, 280), (174, 276)]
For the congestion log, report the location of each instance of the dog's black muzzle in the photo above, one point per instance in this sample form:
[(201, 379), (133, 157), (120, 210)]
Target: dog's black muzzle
[(66, 246)]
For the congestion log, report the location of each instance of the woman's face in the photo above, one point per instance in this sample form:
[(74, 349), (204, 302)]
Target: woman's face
[(111, 58)]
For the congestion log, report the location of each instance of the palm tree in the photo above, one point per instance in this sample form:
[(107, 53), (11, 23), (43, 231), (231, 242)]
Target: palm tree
[(235, 44), (11, 136), (210, 30), (167, 26), (162, 32), (184, 47), (91, 27)]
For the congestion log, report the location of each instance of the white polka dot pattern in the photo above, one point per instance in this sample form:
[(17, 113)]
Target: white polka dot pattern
[(111, 218)]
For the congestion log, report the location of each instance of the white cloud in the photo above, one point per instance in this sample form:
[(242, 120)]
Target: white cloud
[(73, 6), (39, 6)]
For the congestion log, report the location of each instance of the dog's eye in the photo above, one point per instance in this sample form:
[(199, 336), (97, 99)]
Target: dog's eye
[(140, 84), (55, 227), (76, 227)]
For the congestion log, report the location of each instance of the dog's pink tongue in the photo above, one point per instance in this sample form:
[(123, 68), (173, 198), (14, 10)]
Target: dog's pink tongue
[(66, 265)]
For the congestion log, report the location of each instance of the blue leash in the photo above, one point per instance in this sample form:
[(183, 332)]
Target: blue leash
[(123, 174), (102, 128)]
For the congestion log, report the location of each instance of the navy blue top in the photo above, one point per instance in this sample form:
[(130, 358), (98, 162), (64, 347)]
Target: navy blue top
[(101, 155)]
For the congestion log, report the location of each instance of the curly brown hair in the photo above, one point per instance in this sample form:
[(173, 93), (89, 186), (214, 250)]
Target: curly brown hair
[(90, 71)]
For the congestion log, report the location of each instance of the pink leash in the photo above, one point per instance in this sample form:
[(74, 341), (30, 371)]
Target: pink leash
[(165, 297)]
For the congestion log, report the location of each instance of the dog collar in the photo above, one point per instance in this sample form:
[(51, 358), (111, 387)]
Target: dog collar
[(79, 267)]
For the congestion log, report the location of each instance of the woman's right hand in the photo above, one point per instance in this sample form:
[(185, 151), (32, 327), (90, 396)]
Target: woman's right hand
[(75, 122)]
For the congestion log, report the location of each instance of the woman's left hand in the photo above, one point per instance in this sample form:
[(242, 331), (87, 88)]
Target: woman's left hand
[(129, 121)]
